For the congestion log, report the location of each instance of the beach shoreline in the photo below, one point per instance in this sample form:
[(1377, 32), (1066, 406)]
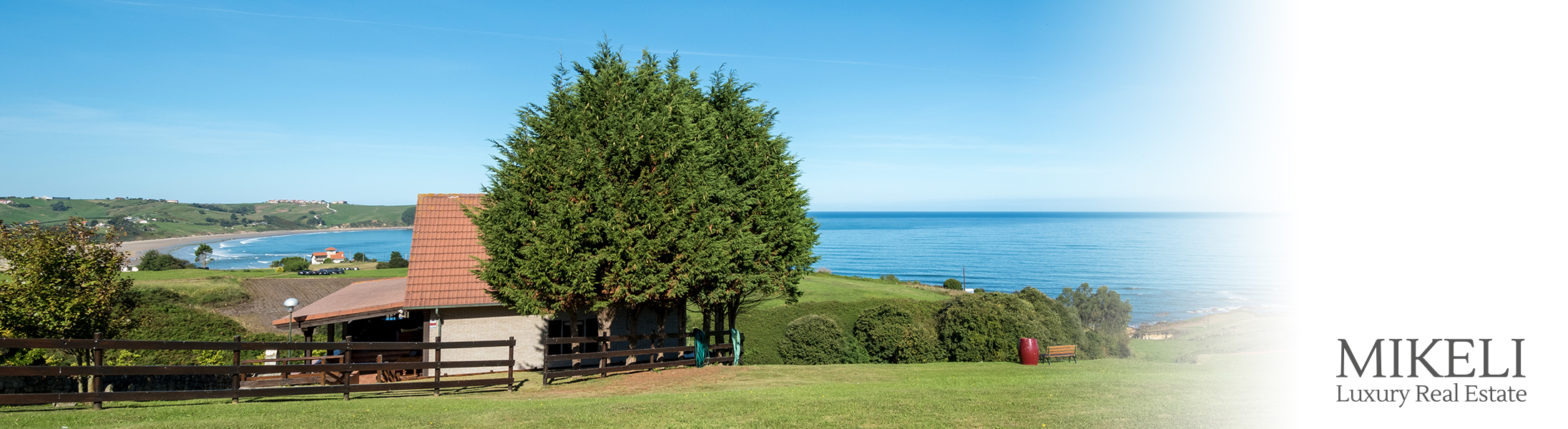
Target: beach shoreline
[(136, 248)]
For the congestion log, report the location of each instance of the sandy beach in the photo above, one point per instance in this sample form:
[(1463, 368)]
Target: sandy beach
[(137, 248)]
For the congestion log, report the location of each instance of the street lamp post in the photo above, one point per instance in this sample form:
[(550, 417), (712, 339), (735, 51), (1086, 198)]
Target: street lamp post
[(290, 304)]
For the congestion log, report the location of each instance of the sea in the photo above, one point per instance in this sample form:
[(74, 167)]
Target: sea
[(1170, 266)]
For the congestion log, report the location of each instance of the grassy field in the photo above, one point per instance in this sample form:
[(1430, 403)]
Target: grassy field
[(166, 219), (1207, 375), (828, 287), (1219, 392), (250, 297)]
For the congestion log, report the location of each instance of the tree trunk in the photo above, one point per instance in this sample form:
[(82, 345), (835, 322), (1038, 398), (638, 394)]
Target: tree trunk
[(633, 335), (606, 317)]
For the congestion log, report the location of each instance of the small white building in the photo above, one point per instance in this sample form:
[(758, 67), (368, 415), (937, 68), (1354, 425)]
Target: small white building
[(330, 255)]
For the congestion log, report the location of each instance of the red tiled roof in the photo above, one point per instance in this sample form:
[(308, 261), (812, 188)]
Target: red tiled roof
[(332, 249), (319, 254), (441, 260), (338, 255), (356, 301)]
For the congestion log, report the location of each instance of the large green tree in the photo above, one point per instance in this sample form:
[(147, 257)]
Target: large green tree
[(590, 194), (61, 282), (632, 188), (754, 209)]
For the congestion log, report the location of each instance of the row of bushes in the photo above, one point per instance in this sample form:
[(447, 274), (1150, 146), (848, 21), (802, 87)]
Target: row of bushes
[(970, 328)]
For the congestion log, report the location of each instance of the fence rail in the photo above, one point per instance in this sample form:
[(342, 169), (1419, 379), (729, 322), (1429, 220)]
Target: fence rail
[(632, 357), (241, 370)]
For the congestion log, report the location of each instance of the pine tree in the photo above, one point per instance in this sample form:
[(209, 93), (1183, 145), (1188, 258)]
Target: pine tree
[(633, 188)]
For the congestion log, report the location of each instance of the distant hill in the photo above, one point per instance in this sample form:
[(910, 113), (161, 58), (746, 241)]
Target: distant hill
[(148, 219)]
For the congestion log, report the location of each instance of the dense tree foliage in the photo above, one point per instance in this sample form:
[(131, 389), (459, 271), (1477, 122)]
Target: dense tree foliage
[(753, 225), (984, 327), (61, 282), (814, 339), (292, 263), (1053, 316), (1103, 313), (203, 254), (632, 188), (154, 260), (395, 260), (893, 334), (953, 284)]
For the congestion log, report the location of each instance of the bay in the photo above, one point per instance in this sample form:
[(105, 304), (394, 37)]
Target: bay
[(1170, 266), (259, 252)]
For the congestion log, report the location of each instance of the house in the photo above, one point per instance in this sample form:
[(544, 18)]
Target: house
[(5, 202), (331, 254), (441, 297)]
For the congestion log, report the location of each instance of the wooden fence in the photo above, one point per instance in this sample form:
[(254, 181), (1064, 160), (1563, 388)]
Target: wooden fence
[(347, 367), (631, 357)]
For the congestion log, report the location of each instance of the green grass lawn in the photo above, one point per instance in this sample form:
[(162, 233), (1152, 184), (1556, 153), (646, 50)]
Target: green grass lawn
[(826, 287), (1099, 393)]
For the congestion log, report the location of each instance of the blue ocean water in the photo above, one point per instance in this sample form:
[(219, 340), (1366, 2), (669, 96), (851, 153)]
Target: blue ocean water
[(1170, 266), (259, 252)]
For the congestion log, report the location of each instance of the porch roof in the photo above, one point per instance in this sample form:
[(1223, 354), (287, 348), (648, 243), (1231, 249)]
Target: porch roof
[(359, 300)]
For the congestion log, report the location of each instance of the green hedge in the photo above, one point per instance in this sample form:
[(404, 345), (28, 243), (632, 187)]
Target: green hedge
[(815, 339), (764, 328), (985, 327), (892, 333)]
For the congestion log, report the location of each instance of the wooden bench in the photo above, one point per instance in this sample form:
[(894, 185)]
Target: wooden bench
[(1061, 352)]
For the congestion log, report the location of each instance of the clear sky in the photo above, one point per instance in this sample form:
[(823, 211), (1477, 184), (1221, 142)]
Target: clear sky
[(890, 106)]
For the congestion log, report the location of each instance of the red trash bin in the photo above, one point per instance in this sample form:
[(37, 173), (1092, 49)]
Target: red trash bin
[(1028, 351)]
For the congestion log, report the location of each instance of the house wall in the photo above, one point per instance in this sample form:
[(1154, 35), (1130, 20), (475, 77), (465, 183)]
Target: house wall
[(498, 323), (484, 324)]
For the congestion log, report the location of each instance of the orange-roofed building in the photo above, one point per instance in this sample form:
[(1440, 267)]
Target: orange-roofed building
[(442, 297), (330, 255)]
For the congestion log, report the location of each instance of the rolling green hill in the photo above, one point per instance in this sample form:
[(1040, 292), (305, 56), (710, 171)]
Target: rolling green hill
[(146, 219)]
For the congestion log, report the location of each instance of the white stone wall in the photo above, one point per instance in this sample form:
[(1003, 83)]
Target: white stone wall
[(484, 324)]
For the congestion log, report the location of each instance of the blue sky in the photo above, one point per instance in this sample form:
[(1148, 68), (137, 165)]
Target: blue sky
[(897, 106)]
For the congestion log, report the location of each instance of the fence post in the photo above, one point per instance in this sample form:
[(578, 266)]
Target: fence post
[(236, 380), (438, 365), (97, 381), (511, 362), (348, 359)]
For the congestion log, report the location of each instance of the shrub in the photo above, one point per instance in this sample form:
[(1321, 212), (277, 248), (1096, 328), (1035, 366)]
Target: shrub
[(292, 263), (395, 260), (164, 315), (1054, 316), (890, 278), (815, 339), (892, 334), (1103, 312), (985, 327), (764, 327), (157, 261), (953, 284)]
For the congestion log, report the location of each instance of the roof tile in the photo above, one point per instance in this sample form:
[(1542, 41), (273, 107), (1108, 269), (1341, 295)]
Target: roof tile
[(443, 255)]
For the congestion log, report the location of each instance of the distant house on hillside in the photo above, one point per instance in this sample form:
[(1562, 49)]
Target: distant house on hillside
[(5, 202), (441, 297), (331, 254)]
